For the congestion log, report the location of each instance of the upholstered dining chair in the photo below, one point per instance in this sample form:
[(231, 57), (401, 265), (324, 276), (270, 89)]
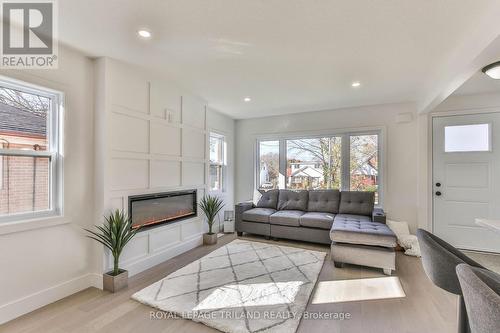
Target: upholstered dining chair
[(440, 260), (481, 290)]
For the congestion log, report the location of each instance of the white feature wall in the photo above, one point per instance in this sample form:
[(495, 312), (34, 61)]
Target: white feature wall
[(153, 138), (398, 121)]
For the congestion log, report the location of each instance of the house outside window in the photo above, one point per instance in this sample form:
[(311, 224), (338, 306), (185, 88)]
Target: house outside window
[(345, 161), (30, 153), (268, 172), (217, 170)]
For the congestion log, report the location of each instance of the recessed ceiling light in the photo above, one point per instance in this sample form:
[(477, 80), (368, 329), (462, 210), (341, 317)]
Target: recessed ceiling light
[(144, 33), (493, 70), (355, 84), (247, 99)]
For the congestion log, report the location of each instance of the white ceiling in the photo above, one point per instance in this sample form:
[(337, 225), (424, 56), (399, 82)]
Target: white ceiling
[(288, 55)]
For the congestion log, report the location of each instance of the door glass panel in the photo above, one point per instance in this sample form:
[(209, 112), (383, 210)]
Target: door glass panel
[(467, 138)]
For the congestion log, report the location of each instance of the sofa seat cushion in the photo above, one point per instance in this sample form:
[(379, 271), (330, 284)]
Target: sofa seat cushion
[(318, 220), (286, 217), (352, 218), (355, 229), (258, 214), (326, 201), (293, 200)]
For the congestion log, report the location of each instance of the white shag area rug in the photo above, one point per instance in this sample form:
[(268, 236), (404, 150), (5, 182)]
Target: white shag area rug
[(241, 287)]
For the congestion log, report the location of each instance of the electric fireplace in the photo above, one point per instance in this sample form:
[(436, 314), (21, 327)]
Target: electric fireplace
[(160, 208)]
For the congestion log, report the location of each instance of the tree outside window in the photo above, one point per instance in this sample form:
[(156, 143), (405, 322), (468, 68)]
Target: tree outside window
[(269, 171), (28, 151), (314, 163), (364, 163)]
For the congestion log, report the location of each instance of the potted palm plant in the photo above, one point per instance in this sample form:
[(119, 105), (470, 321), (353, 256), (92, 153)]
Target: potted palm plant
[(114, 234), (211, 206)]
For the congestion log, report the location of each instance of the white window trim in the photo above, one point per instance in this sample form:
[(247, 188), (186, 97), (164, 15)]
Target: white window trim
[(344, 133), (219, 135), (55, 132)]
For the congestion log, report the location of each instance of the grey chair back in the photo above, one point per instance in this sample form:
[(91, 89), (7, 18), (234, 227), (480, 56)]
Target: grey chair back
[(481, 290), (440, 260)]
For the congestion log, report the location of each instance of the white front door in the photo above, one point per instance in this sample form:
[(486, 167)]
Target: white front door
[(466, 179)]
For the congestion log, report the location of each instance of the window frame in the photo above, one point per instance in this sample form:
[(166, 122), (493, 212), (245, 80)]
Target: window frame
[(345, 135), (222, 165), (54, 152)]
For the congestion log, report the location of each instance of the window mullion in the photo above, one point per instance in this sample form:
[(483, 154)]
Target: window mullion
[(27, 153), (282, 167), (346, 162)]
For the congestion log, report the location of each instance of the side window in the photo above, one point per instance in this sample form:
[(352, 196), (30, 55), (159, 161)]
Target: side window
[(217, 171), (29, 152)]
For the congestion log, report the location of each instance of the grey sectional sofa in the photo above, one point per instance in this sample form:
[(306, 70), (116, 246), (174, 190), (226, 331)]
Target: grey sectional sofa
[(347, 220)]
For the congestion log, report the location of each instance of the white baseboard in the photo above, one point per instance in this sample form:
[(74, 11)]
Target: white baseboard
[(154, 259), (46, 296), (95, 280), (49, 295)]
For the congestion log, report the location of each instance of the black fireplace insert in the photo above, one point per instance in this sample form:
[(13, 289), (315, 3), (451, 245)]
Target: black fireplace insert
[(150, 210)]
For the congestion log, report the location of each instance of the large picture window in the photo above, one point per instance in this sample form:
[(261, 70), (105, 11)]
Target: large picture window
[(29, 152), (346, 161)]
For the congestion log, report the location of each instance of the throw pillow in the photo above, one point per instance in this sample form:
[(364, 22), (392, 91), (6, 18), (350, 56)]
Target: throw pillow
[(256, 197)]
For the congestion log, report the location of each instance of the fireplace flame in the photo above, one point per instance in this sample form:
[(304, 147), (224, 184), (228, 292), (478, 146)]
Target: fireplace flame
[(154, 220)]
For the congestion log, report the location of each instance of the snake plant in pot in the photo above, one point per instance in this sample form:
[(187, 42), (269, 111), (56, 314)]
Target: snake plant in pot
[(211, 206), (114, 234)]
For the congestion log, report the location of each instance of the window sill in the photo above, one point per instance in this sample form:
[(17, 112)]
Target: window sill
[(32, 224), (217, 192)]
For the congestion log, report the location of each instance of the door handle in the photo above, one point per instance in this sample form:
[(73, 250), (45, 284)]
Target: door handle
[(438, 193)]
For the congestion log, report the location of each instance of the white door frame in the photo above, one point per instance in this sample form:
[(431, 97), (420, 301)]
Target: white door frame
[(430, 151)]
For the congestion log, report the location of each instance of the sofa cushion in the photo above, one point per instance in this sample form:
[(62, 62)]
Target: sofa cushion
[(352, 218), (318, 220), (326, 201), (269, 199), (286, 217), (292, 200), (258, 214), (358, 203), (354, 229)]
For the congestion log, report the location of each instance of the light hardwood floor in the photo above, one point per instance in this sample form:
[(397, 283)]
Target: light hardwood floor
[(424, 309)]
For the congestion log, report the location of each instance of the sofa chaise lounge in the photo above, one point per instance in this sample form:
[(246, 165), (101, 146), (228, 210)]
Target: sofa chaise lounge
[(347, 220)]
